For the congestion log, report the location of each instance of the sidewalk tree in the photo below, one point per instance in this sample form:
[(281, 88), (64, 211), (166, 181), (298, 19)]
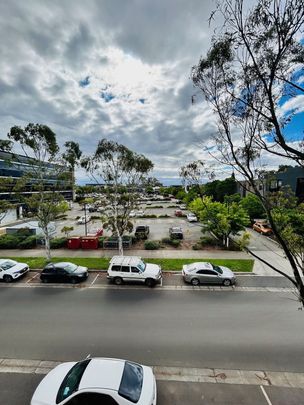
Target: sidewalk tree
[(255, 63), (222, 219), (122, 170), (254, 207), (43, 173)]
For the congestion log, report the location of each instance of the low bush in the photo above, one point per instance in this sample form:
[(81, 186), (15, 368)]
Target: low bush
[(95, 217), (28, 243), (58, 243), (167, 241), (149, 216), (209, 241), (164, 216), (175, 242), (152, 244), (10, 241)]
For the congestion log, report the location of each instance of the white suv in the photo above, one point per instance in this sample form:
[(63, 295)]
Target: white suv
[(133, 268)]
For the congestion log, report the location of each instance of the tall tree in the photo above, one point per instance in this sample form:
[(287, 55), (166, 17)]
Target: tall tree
[(122, 170), (42, 174), (253, 65)]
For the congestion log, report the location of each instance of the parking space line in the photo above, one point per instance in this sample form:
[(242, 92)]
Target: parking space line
[(265, 395), (95, 279), (32, 278)]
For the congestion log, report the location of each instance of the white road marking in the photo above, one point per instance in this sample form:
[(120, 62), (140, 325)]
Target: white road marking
[(95, 279), (265, 395), (32, 278)]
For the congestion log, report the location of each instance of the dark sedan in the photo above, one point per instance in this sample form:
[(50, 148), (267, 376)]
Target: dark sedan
[(63, 272)]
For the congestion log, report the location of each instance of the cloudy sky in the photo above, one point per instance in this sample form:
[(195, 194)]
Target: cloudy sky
[(108, 68)]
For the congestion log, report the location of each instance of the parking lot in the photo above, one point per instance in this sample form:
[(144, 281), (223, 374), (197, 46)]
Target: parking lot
[(159, 227)]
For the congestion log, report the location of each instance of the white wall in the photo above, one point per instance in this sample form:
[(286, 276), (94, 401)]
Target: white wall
[(11, 216)]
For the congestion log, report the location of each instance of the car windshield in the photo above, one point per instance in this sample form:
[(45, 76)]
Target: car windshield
[(131, 382), (70, 267), (141, 265), (8, 264), (218, 269), (71, 381)]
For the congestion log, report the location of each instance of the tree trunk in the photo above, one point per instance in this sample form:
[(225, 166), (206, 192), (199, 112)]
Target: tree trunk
[(120, 246), (47, 246)]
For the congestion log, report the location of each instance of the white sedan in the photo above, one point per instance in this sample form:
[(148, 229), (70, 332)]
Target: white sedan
[(191, 217), (96, 381), (11, 270)]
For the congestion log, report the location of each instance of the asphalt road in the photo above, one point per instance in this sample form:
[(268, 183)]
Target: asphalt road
[(243, 330)]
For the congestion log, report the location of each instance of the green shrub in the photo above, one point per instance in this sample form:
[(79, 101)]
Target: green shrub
[(28, 243), (95, 217), (175, 242), (152, 244), (196, 247), (23, 232), (149, 216), (167, 241), (58, 243), (10, 241), (164, 216), (208, 240)]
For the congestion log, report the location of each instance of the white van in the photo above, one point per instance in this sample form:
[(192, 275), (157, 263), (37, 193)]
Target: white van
[(133, 268)]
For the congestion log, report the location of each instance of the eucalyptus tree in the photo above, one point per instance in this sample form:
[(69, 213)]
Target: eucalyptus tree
[(254, 64), (42, 172), (122, 171)]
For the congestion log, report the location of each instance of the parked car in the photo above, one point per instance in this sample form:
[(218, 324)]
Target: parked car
[(183, 206), (132, 214), (11, 270), (178, 213), (140, 213), (262, 228), (142, 231), (176, 232), (207, 273), (191, 217), (97, 381), (63, 272), (83, 219), (133, 268)]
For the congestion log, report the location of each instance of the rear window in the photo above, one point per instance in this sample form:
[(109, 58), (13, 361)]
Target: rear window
[(131, 382), (71, 381)]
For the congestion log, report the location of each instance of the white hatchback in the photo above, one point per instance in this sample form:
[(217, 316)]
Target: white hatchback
[(11, 270), (191, 217), (97, 381)]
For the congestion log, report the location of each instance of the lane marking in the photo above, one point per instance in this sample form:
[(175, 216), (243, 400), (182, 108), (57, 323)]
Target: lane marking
[(265, 395), (32, 278), (95, 279)]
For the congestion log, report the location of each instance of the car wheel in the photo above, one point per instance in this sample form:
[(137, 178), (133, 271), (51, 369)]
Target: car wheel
[(150, 282), (8, 279), (44, 280), (74, 280), (118, 280), (227, 282), (195, 281)]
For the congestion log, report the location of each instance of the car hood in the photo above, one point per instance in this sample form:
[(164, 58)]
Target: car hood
[(152, 269), (80, 270), (226, 272), (17, 267), (47, 390)]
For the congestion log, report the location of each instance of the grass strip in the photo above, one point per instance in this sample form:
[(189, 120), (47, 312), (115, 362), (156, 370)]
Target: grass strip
[(96, 263)]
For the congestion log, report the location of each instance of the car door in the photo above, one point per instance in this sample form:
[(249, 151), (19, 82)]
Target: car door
[(50, 274), (213, 277), (62, 275), (136, 274), (125, 272), (1, 273), (203, 276)]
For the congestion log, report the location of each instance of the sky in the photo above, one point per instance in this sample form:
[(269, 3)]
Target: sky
[(116, 69)]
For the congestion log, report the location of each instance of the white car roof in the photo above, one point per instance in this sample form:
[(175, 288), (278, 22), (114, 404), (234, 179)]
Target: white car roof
[(103, 373), (125, 260)]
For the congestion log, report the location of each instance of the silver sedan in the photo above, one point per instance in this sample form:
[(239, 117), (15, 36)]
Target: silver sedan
[(207, 273)]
